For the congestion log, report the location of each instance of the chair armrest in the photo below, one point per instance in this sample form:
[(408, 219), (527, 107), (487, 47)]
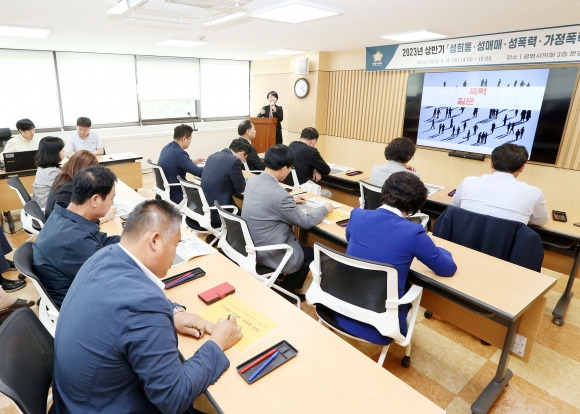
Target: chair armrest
[(409, 297), (273, 247), (174, 184), (227, 207), (289, 250)]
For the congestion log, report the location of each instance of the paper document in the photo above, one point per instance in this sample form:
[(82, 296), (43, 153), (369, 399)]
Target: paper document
[(335, 216), (125, 207), (191, 247), (119, 156), (433, 188), (255, 326), (337, 169)]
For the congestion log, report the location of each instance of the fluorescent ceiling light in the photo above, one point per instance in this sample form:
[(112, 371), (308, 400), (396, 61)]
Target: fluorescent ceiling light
[(20, 31), (182, 43), (413, 36), (287, 52), (123, 5), (295, 13), (227, 18)]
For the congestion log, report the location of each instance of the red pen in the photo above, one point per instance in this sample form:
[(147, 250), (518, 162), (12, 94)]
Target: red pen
[(173, 282), (263, 357)]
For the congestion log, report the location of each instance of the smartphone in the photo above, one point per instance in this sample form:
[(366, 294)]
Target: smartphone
[(216, 293), (351, 173), (559, 215), (342, 223), (451, 193)]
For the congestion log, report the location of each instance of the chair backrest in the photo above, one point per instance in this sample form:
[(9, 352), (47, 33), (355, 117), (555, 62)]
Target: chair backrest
[(26, 361), (35, 212), (236, 238), (505, 239), (5, 134), (15, 184), (47, 311), (370, 196), (295, 181), (196, 208), (161, 187), (359, 289)]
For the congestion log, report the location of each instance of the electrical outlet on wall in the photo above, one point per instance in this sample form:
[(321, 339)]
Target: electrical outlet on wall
[(519, 345)]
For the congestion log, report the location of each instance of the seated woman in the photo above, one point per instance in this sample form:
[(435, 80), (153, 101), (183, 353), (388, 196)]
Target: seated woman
[(50, 154), (398, 153), (385, 235)]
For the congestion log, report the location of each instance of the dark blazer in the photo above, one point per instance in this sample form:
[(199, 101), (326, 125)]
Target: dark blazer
[(253, 160), (116, 345), (306, 159), (279, 114), (176, 162), (505, 239), (222, 176), (62, 194)]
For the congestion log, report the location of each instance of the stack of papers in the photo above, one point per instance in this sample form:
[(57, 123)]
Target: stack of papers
[(314, 202), (433, 188), (336, 169), (191, 247), (125, 207)]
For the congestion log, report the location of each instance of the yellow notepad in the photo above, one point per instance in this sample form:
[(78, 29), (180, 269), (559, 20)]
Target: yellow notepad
[(337, 215), (255, 326)]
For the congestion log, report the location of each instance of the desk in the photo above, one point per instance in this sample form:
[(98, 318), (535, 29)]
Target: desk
[(124, 165), (478, 299), (343, 380), (345, 189), (559, 236)]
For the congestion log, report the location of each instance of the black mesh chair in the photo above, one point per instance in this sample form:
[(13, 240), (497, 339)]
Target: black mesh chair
[(26, 361), (47, 311), (365, 291), (197, 210), (15, 184), (237, 244), (162, 186), (32, 216)]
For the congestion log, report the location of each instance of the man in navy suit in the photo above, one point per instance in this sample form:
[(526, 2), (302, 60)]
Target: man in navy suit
[(222, 175), (247, 131), (176, 162)]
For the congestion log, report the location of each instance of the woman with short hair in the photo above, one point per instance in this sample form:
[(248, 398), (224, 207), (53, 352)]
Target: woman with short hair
[(47, 160)]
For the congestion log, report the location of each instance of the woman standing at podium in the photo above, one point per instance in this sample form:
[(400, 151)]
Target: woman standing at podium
[(273, 111)]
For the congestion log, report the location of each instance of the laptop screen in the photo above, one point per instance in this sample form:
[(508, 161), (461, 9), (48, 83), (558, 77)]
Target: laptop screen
[(18, 161)]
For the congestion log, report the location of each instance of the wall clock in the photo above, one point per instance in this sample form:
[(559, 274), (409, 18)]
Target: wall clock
[(301, 87)]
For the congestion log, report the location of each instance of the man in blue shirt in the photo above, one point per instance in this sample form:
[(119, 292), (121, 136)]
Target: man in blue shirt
[(115, 348), (71, 234), (176, 162)]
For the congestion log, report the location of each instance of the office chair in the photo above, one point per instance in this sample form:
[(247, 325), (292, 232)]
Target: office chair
[(32, 216), (161, 188), (237, 244), (5, 135), (370, 199), (197, 210), (365, 291), (247, 168), (26, 361), (47, 311)]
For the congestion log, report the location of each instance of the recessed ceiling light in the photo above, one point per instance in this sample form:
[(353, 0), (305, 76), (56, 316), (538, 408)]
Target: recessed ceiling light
[(286, 52), (227, 18), (123, 5), (21, 31), (296, 13), (182, 43), (413, 36)]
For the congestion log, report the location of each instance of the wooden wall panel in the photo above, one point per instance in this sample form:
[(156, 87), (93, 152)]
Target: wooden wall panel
[(366, 106)]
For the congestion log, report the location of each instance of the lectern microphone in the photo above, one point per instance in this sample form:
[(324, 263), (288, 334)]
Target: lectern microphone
[(194, 128)]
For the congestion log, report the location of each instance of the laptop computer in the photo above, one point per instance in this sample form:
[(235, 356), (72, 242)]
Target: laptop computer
[(18, 161)]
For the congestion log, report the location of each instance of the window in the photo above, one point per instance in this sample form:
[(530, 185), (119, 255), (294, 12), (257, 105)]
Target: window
[(168, 87), (29, 90), (225, 88), (99, 86)]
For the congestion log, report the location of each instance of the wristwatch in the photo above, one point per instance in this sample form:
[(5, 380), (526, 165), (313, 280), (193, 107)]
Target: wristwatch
[(177, 309)]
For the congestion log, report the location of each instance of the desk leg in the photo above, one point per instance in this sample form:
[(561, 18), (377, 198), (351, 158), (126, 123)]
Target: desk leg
[(562, 305), (502, 376)]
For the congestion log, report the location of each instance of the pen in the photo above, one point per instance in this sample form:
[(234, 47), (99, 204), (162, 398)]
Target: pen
[(263, 357), (177, 281), (255, 374), (172, 278)]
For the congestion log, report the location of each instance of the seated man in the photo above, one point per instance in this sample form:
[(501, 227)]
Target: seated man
[(247, 131), (84, 139), (398, 153), (222, 175), (116, 346), (176, 162), (499, 194), (70, 235), (271, 212), (308, 162), (23, 142)]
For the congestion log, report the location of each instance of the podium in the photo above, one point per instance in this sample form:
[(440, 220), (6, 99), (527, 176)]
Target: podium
[(265, 133)]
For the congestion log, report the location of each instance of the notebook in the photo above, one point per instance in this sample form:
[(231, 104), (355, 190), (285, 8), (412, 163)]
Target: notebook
[(18, 161)]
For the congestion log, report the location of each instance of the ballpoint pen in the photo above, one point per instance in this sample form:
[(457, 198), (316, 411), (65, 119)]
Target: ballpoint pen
[(264, 365)]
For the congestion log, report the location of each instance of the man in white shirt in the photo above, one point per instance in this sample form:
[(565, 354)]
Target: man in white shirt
[(84, 139), (500, 194), (23, 142)]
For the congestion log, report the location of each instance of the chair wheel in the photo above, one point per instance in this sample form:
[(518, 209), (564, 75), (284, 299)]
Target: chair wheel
[(558, 321), (428, 314), (406, 362)]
